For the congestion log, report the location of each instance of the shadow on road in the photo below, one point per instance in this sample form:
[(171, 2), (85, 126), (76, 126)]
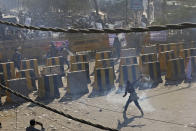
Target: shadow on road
[(127, 121)]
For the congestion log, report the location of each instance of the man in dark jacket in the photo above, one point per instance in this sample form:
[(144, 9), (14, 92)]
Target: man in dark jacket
[(32, 126), (133, 97)]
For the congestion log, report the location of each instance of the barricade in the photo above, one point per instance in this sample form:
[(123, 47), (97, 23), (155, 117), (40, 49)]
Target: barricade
[(48, 86), (8, 70), (19, 85), (128, 72), (175, 70), (104, 63), (193, 51), (29, 74), (193, 65), (55, 61), (149, 49), (176, 47), (30, 64), (185, 53), (77, 82), (128, 60), (153, 70), (104, 79), (56, 69), (1, 57), (81, 66), (128, 52), (163, 47), (2, 92), (164, 57), (78, 58), (103, 55), (148, 58)]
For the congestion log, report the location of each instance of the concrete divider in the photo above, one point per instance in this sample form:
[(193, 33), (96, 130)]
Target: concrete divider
[(48, 86), (164, 57), (128, 72), (30, 64), (29, 74), (77, 82), (8, 70), (175, 70), (104, 79)]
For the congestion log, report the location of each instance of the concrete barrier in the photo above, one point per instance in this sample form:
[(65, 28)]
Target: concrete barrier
[(30, 64), (8, 70), (104, 63), (77, 82), (128, 60), (19, 85), (29, 74), (48, 86), (148, 58), (104, 79), (78, 58), (103, 55), (164, 57), (128, 52), (149, 49), (81, 66), (175, 70), (153, 70), (128, 72), (55, 69)]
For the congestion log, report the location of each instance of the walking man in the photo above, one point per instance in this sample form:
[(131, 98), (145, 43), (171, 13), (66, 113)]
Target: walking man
[(133, 97)]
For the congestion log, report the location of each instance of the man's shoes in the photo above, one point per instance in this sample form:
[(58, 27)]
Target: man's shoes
[(142, 113)]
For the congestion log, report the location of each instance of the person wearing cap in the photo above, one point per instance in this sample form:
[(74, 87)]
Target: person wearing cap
[(133, 97), (17, 57), (32, 126)]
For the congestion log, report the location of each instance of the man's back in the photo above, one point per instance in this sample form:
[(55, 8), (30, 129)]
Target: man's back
[(30, 128)]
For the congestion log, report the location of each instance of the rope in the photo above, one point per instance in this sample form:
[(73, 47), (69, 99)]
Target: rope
[(185, 25), (56, 111)]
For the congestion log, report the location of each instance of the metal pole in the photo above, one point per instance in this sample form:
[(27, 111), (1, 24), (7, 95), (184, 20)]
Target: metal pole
[(126, 21), (96, 7)]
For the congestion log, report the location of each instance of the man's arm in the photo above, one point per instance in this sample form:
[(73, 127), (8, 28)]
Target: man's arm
[(125, 94)]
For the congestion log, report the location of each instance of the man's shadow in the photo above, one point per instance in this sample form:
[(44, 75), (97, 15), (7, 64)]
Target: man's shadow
[(126, 122)]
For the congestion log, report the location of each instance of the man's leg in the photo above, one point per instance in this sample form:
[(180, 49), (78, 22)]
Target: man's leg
[(138, 106), (127, 104)]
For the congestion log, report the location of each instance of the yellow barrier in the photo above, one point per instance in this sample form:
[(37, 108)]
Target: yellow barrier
[(176, 47), (104, 63), (79, 67), (103, 55), (19, 85), (55, 61), (77, 82), (29, 74), (30, 64), (175, 70), (128, 52), (104, 79), (148, 58), (185, 53), (128, 60), (48, 86), (149, 49), (8, 70), (78, 58), (128, 72), (153, 70), (164, 57)]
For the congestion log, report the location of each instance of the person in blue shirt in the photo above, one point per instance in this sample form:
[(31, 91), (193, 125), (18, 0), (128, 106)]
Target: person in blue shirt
[(133, 97)]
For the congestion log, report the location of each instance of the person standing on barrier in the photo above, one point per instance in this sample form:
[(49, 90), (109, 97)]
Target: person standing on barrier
[(32, 126), (133, 97), (17, 57)]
